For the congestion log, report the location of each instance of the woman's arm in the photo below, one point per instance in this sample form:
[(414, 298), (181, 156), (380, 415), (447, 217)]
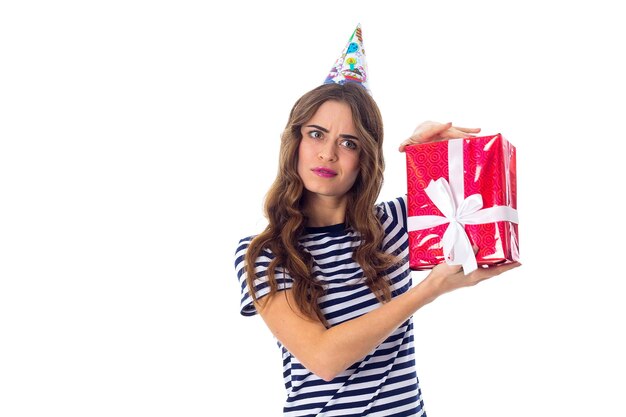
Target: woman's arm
[(328, 352)]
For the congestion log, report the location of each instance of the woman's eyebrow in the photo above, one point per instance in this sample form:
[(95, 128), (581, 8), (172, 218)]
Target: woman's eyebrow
[(348, 137), (319, 127), (326, 131)]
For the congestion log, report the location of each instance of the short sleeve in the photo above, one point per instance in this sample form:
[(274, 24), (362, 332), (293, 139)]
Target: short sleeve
[(393, 215), (261, 286), (393, 211)]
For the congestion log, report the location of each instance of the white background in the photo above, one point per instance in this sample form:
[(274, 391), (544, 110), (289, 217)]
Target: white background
[(137, 140)]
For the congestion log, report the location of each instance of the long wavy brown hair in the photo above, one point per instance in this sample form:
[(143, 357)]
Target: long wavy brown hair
[(284, 204)]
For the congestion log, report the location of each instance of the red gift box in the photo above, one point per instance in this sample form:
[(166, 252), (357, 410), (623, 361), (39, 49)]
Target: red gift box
[(461, 193)]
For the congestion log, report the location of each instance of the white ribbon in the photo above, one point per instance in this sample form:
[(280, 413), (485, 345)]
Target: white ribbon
[(457, 248)]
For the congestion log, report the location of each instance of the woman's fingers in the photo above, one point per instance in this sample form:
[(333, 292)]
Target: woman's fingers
[(482, 274), (468, 129), (446, 278), (426, 132), (404, 144), (430, 132), (460, 132), (434, 132)]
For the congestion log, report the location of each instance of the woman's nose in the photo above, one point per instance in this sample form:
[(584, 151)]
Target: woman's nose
[(328, 152)]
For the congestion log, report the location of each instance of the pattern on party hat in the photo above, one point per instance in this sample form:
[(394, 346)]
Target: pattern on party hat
[(350, 67)]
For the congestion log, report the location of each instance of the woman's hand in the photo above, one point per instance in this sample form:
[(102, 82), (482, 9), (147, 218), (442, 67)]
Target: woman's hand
[(445, 278), (434, 131)]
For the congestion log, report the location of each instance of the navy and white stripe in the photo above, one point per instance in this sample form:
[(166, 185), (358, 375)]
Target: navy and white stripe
[(384, 383)]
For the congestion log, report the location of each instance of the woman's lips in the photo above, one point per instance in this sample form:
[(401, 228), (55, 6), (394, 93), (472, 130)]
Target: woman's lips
[(324, 172)]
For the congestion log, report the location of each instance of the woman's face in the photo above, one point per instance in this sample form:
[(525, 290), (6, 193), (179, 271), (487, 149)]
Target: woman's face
[(328, 156)]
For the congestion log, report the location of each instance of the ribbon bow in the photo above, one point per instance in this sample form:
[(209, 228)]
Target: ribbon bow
[(457, 248)]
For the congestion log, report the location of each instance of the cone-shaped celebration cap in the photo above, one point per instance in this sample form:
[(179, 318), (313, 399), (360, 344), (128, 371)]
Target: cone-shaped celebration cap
[(350, 67)]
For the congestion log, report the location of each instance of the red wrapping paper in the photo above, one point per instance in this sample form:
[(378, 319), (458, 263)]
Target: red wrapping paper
[(489, 169)]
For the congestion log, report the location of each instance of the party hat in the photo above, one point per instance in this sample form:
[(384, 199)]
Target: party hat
[(350, 67)]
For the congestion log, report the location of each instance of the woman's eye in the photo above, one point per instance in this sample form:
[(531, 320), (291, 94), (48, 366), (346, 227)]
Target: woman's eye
[(348, 144), (315, 134)]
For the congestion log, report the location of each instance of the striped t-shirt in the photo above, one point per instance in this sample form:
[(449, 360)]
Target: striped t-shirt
[(384, 383)]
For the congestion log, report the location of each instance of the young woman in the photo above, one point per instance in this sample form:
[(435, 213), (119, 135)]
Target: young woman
[(330, 275)]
